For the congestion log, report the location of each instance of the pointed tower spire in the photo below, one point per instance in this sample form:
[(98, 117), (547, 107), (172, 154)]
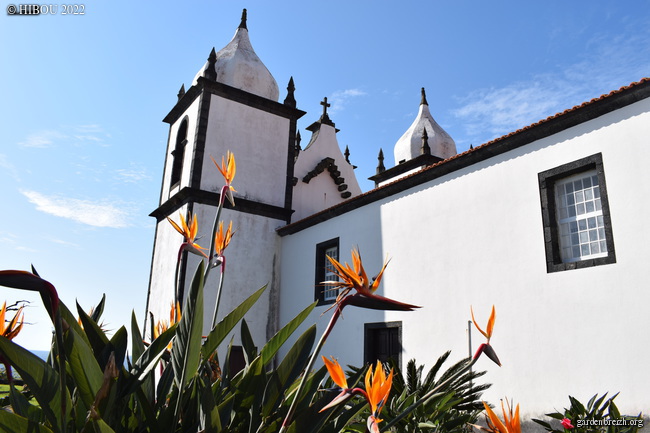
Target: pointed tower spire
[(242, 24), (181, 92), (409, 146), (423, 100), (380, 166), (290, 100), (210, 71), (425, 149)]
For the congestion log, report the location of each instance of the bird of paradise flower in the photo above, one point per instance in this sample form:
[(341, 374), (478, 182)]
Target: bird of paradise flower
[(510, 424), (377, 389)]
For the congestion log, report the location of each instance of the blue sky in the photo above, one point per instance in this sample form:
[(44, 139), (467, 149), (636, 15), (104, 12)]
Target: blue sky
[(83, 100)]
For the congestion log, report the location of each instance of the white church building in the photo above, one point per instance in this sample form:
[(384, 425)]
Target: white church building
[(546, 223)]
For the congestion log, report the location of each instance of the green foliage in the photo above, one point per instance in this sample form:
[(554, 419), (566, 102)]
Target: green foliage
[(193, 393), (600, 415)]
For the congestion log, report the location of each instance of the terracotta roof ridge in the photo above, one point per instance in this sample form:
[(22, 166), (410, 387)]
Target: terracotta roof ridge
[(568, 110)]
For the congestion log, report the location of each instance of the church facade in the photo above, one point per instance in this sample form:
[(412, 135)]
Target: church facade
[(546, 223)]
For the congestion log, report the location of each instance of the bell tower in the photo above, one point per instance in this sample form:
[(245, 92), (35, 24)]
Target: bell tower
[(231, 105)]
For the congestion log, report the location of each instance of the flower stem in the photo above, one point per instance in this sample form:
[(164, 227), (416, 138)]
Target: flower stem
[(176, 278), (429, 394), (58, 331), (217, 217), (216, 304), (312, 360)]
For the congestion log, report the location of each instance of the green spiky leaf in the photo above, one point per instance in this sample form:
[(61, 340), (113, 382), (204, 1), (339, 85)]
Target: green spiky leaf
[(223, 328), (271, 348), (13, 423), (83, 367), (186, 349), (39, 376)]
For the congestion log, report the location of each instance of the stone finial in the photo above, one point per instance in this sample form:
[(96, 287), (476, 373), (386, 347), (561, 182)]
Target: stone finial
[(290, 100), (380, 166), (181, 92), (242, 24), (425, 149), (423, 99), (298, 140), (471, 147), (210, 71)]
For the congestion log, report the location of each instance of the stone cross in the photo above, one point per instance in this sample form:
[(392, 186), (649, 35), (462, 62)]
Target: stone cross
[(325, 105)]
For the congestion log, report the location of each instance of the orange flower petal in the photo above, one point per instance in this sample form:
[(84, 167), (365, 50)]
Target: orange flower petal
[(490, 324), (494, 419), (186, 229), (476, 324), (378, 387), (176, 227), (2, 318), (336, 372), (375, 284), (194, 228)]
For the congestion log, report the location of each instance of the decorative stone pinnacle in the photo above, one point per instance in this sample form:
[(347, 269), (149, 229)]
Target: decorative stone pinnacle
[(347, 154), (290, 100), (425, 149), (423, 100), (210, 72), (298, 140), (242, 24), (181, 92), (380, 166)]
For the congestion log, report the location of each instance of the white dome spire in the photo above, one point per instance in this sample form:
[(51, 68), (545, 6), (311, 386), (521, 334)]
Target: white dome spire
[(238, 66), (410, 144)]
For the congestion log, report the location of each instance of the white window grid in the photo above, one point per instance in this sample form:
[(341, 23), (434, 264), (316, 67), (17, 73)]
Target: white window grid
[(580, 217), (329, 293)]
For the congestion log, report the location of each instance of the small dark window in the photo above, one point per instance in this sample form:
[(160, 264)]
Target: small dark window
[(575, 213), (178, 153), (325, 271), (383, 341)]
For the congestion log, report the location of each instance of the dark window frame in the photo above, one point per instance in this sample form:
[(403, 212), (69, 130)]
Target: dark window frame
[(547, 181), (178, 154), (320, 270), (368, 333)]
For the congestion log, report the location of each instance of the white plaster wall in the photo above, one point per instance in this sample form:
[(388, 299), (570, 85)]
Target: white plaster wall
[(259, 141), (192, 114), (250, 264), (321, 192), (475, 237)]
